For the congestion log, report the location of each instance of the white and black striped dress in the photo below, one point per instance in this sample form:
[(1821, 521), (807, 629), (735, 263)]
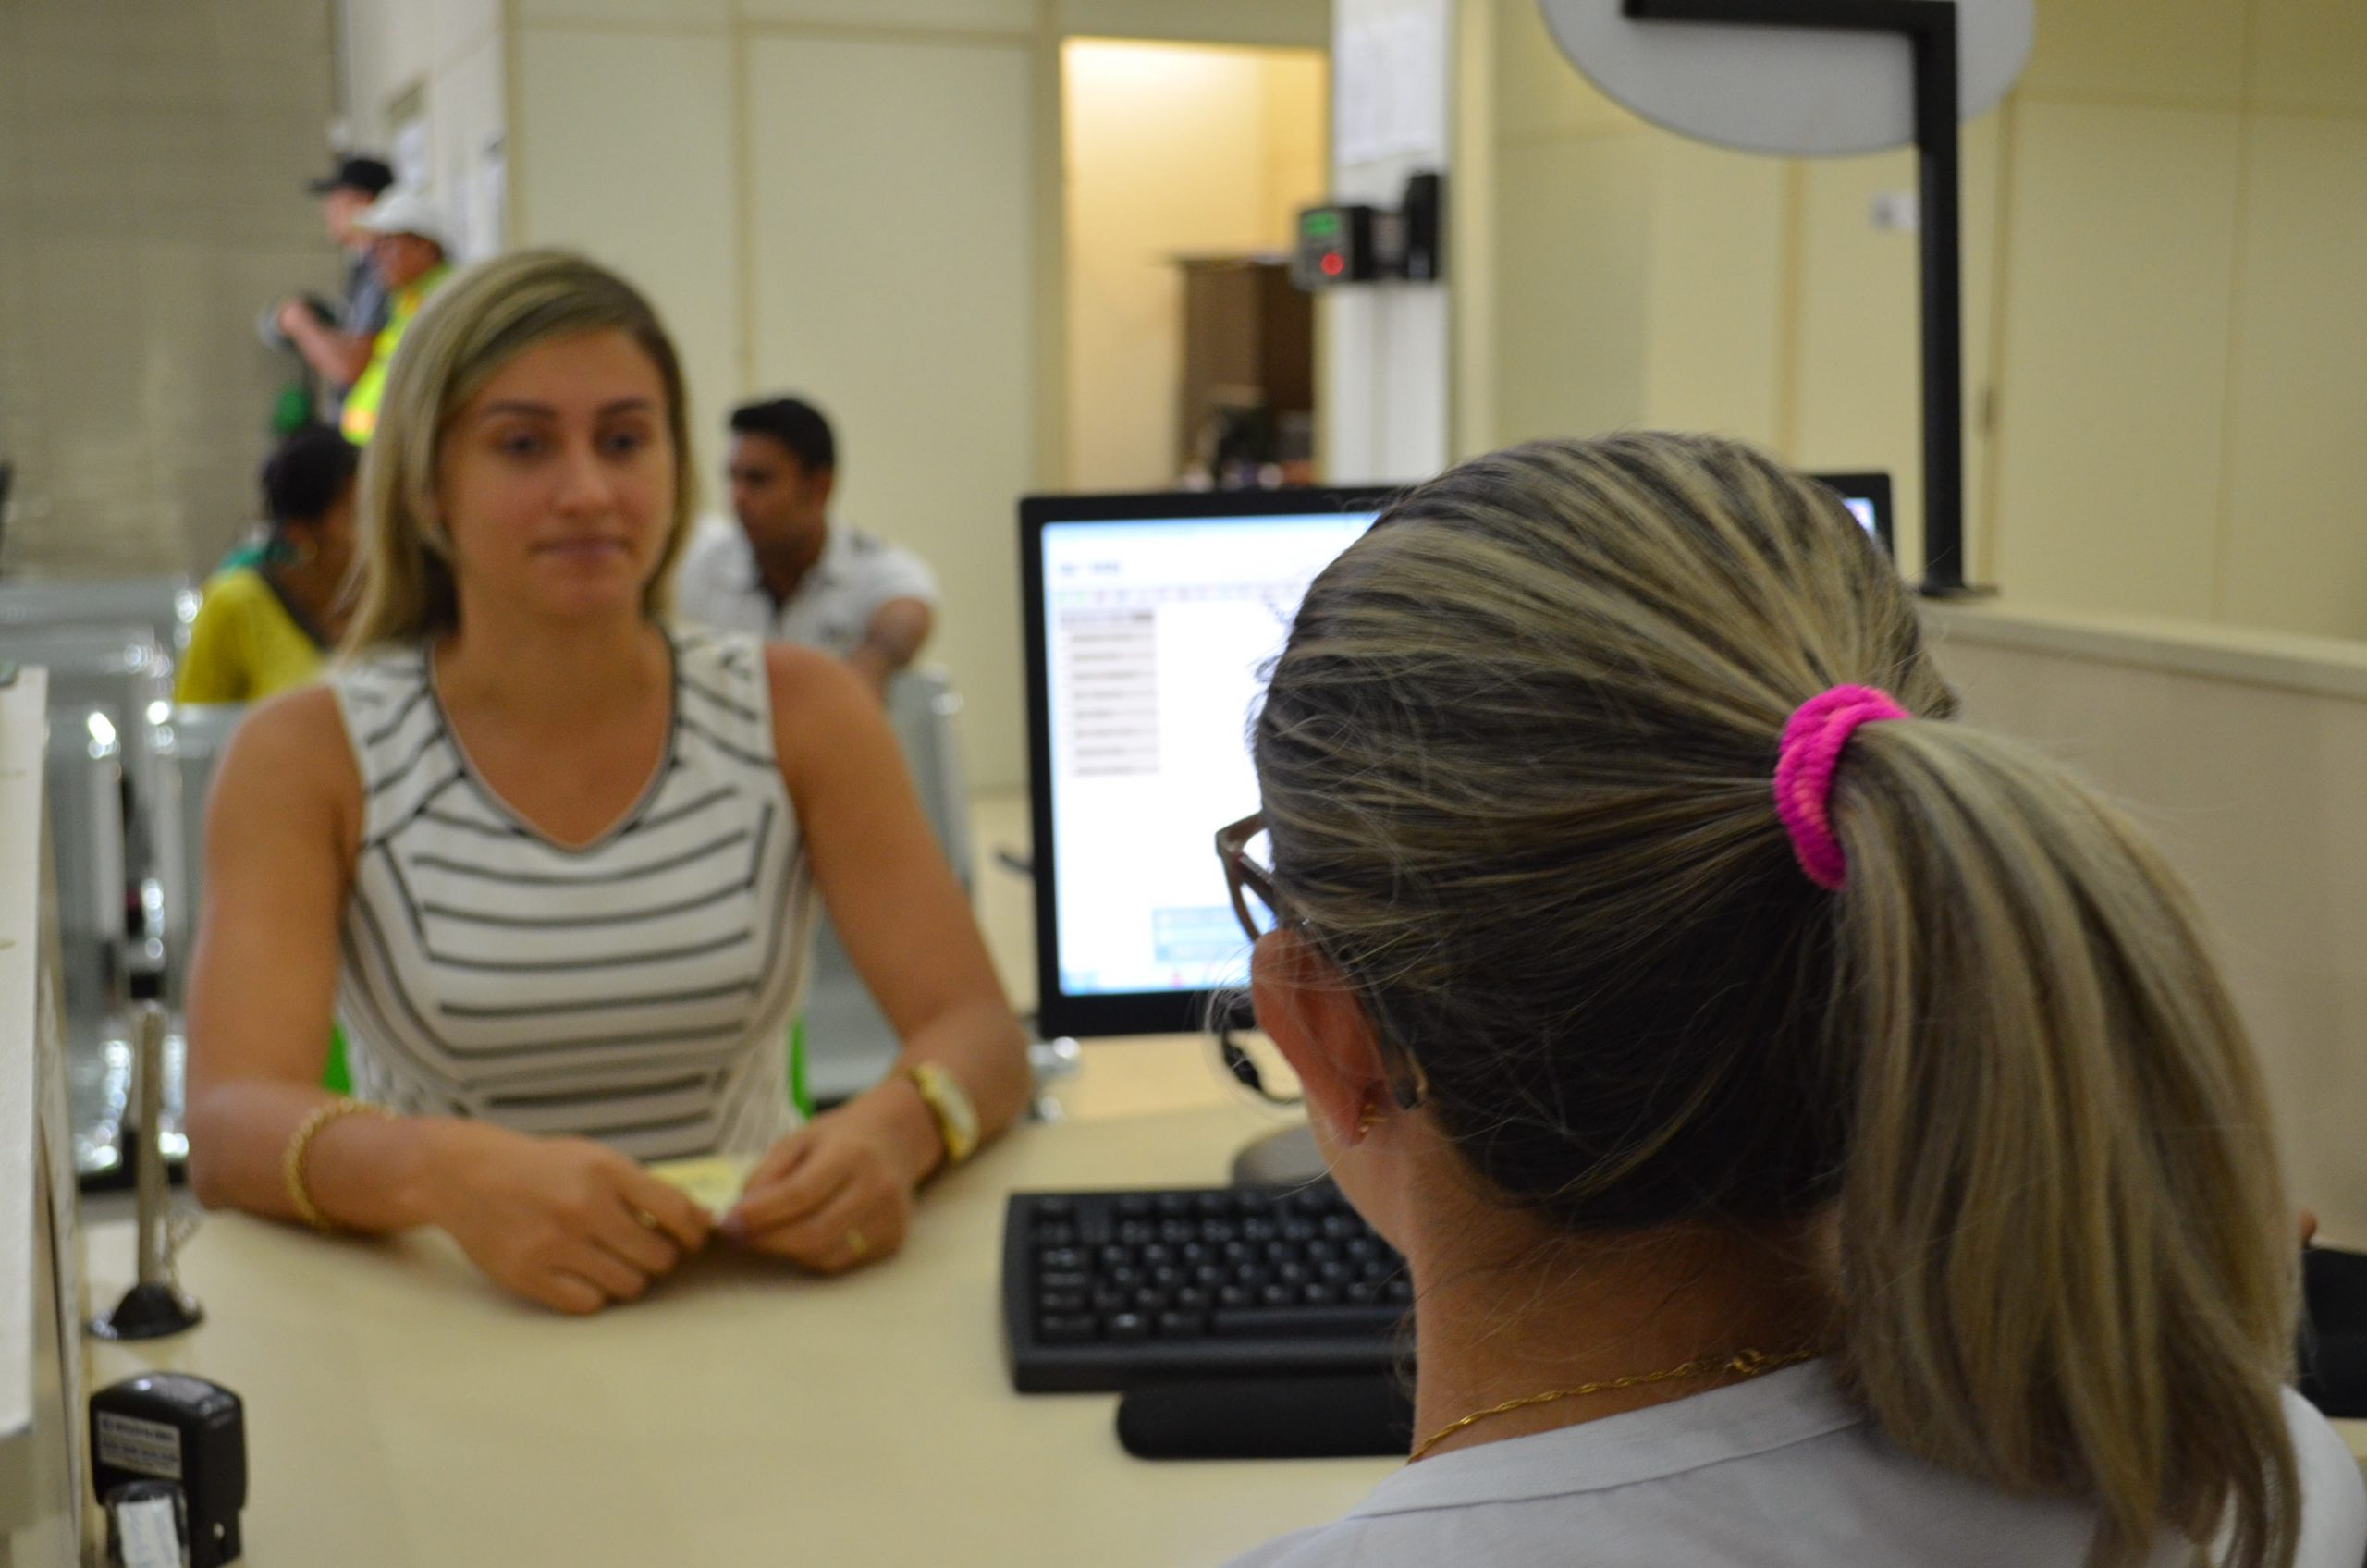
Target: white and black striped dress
[(638, 989)]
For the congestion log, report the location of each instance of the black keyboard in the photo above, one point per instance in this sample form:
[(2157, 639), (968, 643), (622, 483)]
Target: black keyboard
[(1108, 1291)]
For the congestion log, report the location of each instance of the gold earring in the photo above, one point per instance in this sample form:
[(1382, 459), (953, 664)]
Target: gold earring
[(1368, 1116)]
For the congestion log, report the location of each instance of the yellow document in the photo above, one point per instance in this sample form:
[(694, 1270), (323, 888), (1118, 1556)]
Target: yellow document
[(713, 1182)]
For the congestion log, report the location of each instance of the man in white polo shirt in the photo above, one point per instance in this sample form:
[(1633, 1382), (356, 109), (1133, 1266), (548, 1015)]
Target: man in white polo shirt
[(784, 573)]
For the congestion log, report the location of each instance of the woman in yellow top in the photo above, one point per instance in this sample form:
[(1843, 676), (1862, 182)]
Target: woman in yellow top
[(267, 627)]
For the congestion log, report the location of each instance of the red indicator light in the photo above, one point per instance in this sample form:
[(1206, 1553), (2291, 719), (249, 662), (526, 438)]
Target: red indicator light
[(1332, 264)]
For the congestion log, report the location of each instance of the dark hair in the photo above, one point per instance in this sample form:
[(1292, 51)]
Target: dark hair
[(796, 424), (306, 473)]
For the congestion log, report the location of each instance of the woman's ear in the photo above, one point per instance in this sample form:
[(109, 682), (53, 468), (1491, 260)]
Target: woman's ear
[(1306, 1008)]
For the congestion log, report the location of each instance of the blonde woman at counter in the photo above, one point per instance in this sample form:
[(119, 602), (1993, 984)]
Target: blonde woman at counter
[(552, 863)]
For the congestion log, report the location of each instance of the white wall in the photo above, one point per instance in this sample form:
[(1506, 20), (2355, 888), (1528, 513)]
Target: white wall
[(446, 61), (1384, 377), (859, 201)]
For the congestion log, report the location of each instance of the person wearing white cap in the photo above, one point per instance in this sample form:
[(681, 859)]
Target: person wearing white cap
[(409, 253)]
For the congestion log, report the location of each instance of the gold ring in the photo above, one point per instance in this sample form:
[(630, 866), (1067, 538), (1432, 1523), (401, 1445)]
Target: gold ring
[(648, 1220), (855, 1244)]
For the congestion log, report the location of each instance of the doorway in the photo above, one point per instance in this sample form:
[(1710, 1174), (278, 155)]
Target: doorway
[(1189, 358)]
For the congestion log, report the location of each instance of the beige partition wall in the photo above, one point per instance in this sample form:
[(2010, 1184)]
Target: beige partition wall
[(2164, 311), (654, 193), (890, 203), (2242, 753)]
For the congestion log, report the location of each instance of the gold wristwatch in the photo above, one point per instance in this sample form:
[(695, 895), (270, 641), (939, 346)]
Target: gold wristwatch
[(957, 1120)]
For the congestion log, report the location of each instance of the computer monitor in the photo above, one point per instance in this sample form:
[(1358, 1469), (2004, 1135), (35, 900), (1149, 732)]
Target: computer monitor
[(1151, 619), (1867, 497)]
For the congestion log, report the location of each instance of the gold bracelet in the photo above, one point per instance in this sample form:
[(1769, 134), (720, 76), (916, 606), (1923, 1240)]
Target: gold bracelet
[(291, 1161)]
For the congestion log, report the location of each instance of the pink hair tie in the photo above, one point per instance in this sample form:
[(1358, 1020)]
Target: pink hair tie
[(1812, 749)]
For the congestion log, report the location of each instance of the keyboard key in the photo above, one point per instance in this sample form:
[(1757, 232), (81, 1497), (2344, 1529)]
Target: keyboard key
[(1212, 1202), (1135, 1205), (1058, 1234), (1181, 1325), (1128, 1326), (1174, 1204), (1284, 1322), (1068, 1329), (1059, 1260), (1060, 1302), (1062, 1281), (1276, 1295)]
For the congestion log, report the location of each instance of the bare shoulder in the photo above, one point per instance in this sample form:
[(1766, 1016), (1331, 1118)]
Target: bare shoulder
[(821, 707), (290, 755), (805, 682), (292, 729)]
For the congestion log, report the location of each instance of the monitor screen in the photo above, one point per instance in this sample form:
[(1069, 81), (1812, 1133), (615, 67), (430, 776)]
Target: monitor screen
[(1151, 619), (1867, 497)]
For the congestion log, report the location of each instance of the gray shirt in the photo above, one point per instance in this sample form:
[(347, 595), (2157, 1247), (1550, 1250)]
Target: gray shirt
[(1779, 1473)]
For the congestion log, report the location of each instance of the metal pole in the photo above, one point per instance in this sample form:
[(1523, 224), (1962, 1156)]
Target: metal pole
[(148, 1092), (1929, 26)]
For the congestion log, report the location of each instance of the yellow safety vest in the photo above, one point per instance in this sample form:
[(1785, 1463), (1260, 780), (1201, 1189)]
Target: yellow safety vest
[(359, 418)]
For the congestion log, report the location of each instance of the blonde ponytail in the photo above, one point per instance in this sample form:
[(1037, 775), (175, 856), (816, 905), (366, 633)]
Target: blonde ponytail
[(1517, 762), (2066, 1254)]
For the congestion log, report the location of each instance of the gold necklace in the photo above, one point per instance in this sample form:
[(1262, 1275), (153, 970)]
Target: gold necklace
[(1743, 1365)]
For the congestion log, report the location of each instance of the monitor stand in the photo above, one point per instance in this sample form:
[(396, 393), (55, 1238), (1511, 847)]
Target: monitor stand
[(1287, 1158)]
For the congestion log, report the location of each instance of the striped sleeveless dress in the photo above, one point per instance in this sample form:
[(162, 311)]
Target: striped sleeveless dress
[(638, 989)]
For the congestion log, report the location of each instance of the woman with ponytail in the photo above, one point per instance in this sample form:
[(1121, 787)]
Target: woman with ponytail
[(1816, 1130)]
